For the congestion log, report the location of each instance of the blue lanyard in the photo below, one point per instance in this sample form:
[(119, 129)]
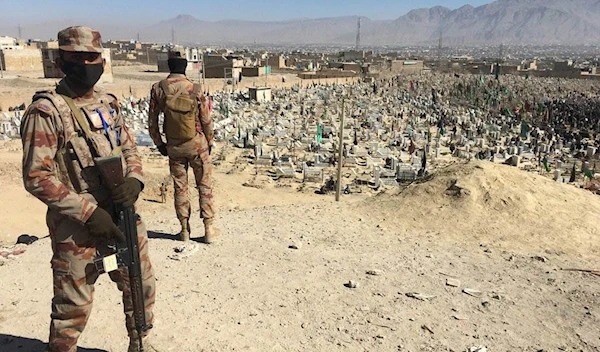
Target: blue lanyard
[(105, 127)]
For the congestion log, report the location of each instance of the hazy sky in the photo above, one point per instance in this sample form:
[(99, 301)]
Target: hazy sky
[(151, 11)]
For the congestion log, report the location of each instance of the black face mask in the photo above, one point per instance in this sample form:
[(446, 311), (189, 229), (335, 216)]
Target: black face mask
[(177, 65), (83, 75)]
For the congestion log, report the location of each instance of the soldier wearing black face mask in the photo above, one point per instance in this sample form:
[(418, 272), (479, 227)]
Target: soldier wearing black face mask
[(63, 131)]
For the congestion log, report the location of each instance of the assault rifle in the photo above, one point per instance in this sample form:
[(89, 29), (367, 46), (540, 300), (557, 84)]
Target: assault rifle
[(126, 254)]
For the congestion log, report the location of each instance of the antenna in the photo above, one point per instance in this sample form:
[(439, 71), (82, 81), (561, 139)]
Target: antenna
[(358, 35), (138, 37), (19, 28), (440, 46), (172, 34)]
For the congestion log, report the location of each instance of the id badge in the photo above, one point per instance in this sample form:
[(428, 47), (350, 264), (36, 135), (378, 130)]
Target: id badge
[(94, 119)]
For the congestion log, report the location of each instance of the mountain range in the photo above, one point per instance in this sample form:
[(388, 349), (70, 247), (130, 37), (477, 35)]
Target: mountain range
[(517, 22)]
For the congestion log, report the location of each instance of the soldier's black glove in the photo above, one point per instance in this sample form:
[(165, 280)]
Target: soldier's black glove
[(101, 224), (162, 149), (127, 193)]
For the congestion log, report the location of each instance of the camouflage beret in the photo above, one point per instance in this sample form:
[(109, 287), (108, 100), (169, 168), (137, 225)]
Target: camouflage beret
[(80, 38), (177, 52)]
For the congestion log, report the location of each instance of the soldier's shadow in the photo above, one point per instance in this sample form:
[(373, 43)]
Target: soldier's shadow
[(10, 343), (162, 235)]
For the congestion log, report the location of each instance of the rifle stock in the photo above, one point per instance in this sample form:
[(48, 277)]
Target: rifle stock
[(111, 170)]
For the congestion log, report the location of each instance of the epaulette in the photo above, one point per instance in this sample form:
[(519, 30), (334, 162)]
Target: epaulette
[(44, 101)]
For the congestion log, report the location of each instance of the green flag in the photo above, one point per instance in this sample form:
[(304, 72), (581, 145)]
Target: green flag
[(545, 162), (319, 133)]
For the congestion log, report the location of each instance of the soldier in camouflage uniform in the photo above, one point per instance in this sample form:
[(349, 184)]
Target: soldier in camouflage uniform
[(62, 132), (184, 153)]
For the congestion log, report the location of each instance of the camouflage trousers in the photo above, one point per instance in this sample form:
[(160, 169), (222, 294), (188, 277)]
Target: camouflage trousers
[(74, 276), (194, 154)]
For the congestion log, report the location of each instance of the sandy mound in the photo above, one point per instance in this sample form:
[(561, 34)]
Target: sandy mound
[(496, 203)]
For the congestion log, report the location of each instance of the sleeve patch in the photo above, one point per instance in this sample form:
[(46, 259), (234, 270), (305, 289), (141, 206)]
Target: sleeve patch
[(43, 107)]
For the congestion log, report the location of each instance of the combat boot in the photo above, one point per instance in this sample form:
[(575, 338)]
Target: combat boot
[(211, 234), (134, 345), (184, 234)]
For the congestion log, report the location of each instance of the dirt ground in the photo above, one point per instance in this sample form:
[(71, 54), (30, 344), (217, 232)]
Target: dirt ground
[(474, 259), (503, 237)]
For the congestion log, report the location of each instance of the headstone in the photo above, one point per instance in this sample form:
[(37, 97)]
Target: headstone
[(586, 166), (376, 175), (284, 171), (514, 160), (405, 172), (312, 174), (558, 175), (258, 150), (416, 162)]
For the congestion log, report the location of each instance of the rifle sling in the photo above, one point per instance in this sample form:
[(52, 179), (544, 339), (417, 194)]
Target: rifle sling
[(83, 124)]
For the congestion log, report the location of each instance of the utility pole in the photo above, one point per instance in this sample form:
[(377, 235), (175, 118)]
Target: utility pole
[(440, 47), (338, 185), (138, 37), (1, 63), (173, 35), (203, 71), (19, 29), (358, 35)]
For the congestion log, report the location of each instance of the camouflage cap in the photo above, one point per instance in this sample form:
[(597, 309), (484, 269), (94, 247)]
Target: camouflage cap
[(80, 38), (177, 52)]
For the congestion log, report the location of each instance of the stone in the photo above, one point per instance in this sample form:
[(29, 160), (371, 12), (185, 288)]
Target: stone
[(477, 349), (472, 292), (351, 284), (184, 251), (452, 282), (420, 296), (374, 272), (459, 317)]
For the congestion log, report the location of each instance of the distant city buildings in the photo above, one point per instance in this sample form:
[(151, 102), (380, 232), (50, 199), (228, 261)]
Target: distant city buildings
[(313, 63)]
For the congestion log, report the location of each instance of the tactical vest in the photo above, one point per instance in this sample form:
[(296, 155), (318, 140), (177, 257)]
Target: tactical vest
[(87, 132), (181, 111)]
